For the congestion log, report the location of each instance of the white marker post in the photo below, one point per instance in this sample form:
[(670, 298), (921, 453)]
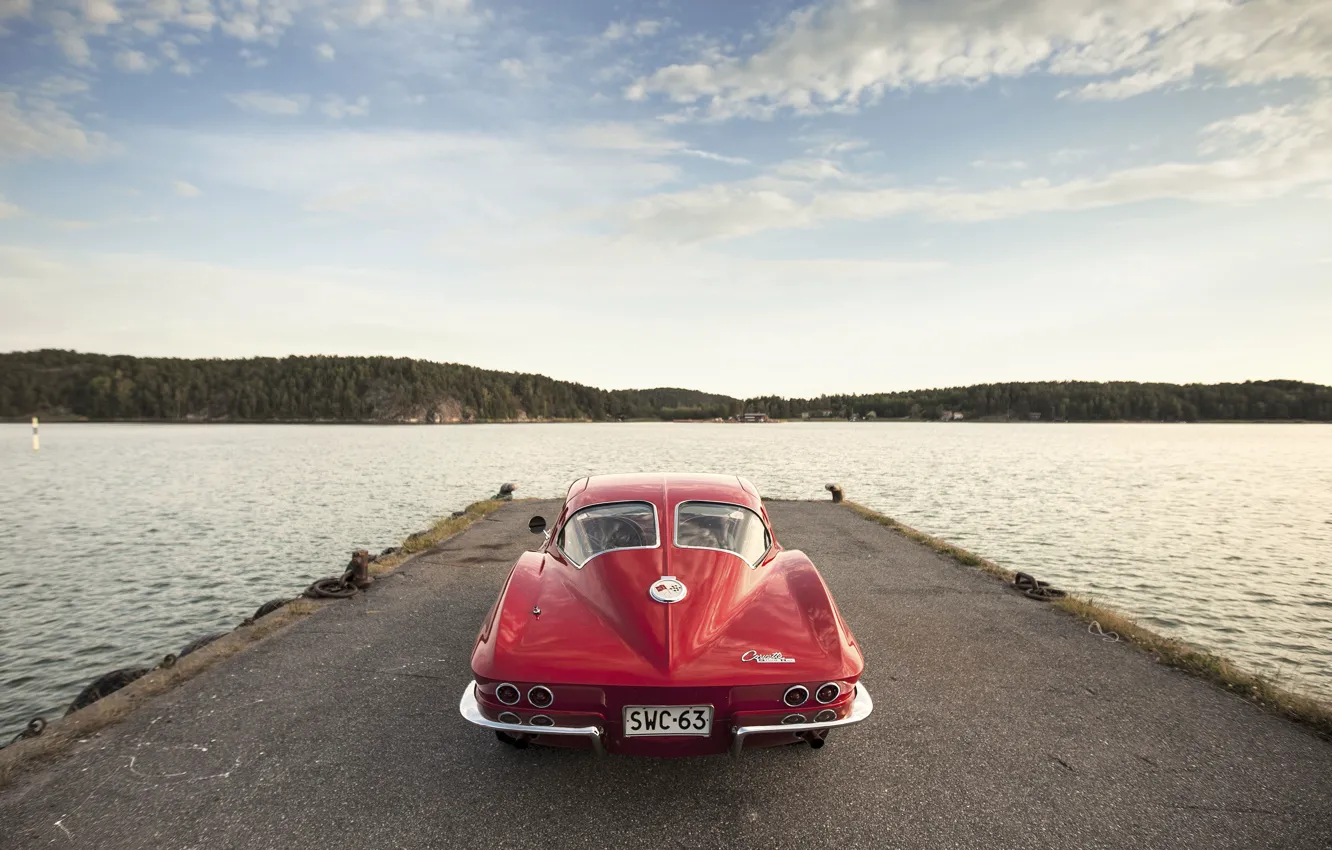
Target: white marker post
[(36, 443)]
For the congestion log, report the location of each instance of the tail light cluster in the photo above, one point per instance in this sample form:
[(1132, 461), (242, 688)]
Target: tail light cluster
[(797, 695), (538, 696)]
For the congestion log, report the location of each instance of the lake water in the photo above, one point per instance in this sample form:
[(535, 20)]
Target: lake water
[(120, 543)]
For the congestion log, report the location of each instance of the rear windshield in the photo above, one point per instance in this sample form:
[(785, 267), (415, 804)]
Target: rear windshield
[(713, 525), (603, 528)]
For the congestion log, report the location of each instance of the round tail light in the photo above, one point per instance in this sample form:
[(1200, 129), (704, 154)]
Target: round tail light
[(542, 720), (828, 692), (825, 715), (509, 717), (796, 695), (793, 718), (508, 694), (540, 696)]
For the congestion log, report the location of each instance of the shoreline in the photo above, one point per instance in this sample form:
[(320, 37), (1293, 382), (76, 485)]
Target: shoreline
[(1261, 690), (61, 732), (389, 423)]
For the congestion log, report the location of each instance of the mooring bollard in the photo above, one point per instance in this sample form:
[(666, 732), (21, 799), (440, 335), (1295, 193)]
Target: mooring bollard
[(836, 490), (360, 569)]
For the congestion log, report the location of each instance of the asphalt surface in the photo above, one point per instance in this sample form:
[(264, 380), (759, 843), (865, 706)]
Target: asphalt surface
[(999, 723)]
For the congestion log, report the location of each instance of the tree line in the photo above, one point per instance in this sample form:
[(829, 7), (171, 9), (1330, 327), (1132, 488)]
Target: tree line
[(55, 383)]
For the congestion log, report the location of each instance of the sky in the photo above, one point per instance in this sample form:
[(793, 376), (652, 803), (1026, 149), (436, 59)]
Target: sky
[(741, 197)]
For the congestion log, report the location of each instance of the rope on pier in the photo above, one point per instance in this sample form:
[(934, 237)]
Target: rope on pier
[(1032, 588)]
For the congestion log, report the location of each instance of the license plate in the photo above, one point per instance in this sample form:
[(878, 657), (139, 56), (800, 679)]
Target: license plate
[(667, 720)]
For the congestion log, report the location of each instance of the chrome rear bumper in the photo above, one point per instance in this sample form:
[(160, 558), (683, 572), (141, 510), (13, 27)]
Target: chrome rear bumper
[(861, 707), (471, 712), (470, 709)]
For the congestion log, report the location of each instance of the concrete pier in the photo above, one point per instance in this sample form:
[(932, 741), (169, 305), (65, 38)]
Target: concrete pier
[(999, 722)]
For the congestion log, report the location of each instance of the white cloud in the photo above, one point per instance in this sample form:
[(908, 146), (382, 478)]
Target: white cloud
[(370, 11), (185, 190), (179, 64), (15, 8), (59, 86), (1263, 154), (134, 62), (270, 103), (999, 164), (337, 107), (8, 210), (645, 139), (326, 52), (839, 54), (622, 30), (38, 127), (515, 68), (440, 181), (100, 12)]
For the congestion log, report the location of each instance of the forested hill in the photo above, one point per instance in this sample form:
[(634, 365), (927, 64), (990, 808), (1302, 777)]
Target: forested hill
[(385, 389)]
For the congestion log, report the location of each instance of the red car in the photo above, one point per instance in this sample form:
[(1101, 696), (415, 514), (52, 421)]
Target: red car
[(661, 617)]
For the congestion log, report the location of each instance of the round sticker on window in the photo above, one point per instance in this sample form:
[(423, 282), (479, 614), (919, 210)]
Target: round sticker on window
[(667, 589)]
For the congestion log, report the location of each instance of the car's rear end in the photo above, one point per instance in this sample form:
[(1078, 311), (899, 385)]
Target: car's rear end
[(665, 721)]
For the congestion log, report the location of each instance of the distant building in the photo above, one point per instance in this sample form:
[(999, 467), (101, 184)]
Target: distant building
[(1034, 417), (754, 417), (950, 415)]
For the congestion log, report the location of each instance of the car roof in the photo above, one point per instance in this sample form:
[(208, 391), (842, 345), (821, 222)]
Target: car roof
[(665, 490)]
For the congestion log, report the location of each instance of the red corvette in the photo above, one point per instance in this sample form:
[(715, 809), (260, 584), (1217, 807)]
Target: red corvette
[(661, 617)]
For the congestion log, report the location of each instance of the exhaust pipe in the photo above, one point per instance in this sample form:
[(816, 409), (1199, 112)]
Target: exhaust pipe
[(814, 739), (518, 742)]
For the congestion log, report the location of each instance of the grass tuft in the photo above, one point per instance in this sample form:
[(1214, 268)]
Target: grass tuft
[(1256, 688), (442, 530)]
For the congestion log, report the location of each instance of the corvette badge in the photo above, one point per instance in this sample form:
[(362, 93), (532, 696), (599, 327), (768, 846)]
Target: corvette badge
[(668, 589)]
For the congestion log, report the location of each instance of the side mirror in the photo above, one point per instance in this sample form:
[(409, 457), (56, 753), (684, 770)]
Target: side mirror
[(537, 525)]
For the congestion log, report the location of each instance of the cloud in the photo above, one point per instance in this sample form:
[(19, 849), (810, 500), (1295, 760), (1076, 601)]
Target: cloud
[(643, 139), (838, 55), (999, 164), (1256, 155), (337, 107), (100, 12), (58, 87), (431, 181), (326, 52), (134, 62), (179, 65), (8, 210), (630, 30), (39, 127), (15, 8), (185, 190), (270, 103), (515, 68)]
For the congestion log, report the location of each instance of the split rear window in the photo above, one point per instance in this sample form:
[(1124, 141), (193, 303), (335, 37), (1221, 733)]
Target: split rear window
[(605, 528), (716, 525)]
